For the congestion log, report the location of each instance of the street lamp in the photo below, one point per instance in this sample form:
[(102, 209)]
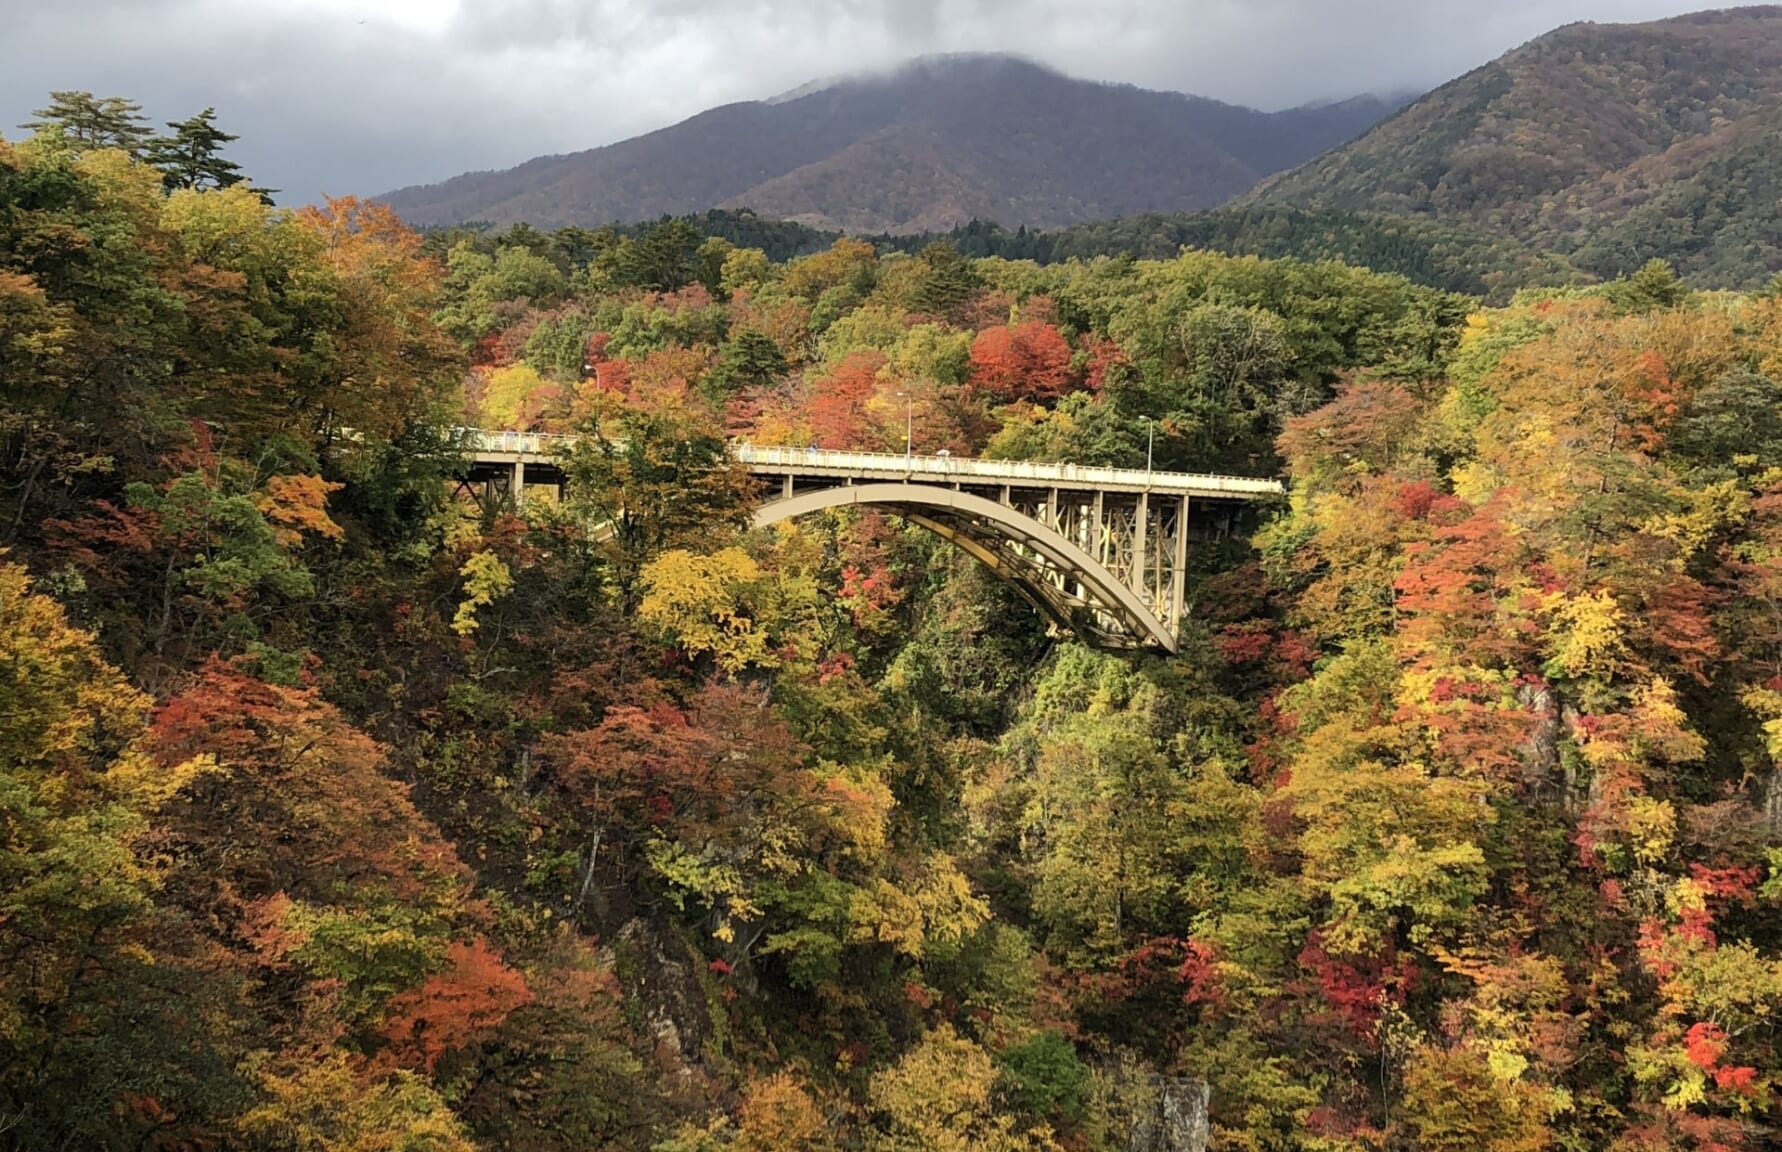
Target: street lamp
[(909, 426), (1150, 441)]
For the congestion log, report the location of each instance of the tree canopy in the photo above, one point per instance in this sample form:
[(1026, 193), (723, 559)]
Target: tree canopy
[(345, 807)]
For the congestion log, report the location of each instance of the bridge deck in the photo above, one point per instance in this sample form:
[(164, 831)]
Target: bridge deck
[(949, 470), (512, 447)]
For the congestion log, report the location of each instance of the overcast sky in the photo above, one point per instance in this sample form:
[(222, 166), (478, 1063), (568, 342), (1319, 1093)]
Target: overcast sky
[(362, 96)]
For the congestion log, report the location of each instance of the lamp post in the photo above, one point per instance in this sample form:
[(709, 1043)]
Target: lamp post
[(1150, 441), (909, 427)]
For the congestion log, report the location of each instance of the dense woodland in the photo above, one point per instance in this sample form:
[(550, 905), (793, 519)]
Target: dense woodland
[(1452, 257), (340, 811)]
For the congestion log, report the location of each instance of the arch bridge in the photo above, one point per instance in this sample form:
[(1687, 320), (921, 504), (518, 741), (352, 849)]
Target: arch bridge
[(1102, 552)]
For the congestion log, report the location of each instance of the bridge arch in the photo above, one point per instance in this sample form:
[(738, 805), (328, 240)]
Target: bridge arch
[(1055, 574)]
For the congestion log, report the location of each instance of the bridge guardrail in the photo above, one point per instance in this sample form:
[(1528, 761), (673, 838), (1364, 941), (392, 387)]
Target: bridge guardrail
[(953, 469), (524, 443)]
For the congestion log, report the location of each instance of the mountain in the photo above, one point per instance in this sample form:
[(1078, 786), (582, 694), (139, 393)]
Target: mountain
[(934, 144), (1607, 144)]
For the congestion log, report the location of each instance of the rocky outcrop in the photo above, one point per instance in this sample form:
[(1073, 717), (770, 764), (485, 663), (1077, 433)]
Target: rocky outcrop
[(1539, 750), (1177, 1119), (659, 975)]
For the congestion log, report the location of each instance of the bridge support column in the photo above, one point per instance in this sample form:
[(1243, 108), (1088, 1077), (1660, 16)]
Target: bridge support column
[(517, 486), (1159, 592), (1098, 525), (1178, 594), (1141, 582)]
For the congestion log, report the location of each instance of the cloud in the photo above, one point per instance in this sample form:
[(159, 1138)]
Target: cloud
[(361, 96)]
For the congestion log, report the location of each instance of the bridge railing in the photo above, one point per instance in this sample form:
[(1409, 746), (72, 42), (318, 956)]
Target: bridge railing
[(951, 469), (523, 443), (956, 469)]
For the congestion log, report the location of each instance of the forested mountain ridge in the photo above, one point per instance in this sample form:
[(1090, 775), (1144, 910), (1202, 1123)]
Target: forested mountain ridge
[(345, 809), (1608, 144), (931, 145), (1452, 257), (1456, 257)]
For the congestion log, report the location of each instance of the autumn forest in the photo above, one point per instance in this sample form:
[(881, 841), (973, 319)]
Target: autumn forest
[(347, 808)]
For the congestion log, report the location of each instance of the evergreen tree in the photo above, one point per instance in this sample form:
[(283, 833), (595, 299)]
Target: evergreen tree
[(84, 121), (947, 280), (662, 258), (579, 247), (193, 156), (750, 360)]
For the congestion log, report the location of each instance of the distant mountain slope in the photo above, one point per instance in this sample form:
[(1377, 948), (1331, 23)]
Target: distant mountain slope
[(1610, 144), (1714, 211), (933, 145)]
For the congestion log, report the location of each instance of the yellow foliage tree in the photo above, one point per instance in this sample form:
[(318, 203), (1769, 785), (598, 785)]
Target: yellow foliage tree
[(486, 580), (330, 1106), (845, 259), (779, 1115), (1587, 635), (1455, 1102), (507, 395), (1391, 844), (706, 603), (939, 907), (938, 1099)]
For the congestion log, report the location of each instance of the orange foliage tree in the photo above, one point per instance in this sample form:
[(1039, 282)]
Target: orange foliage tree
[(1029, 361)]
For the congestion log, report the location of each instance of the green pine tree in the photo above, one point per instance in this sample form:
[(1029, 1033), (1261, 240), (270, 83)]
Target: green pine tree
[(946, 282), (193, 156), (86, 122)]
